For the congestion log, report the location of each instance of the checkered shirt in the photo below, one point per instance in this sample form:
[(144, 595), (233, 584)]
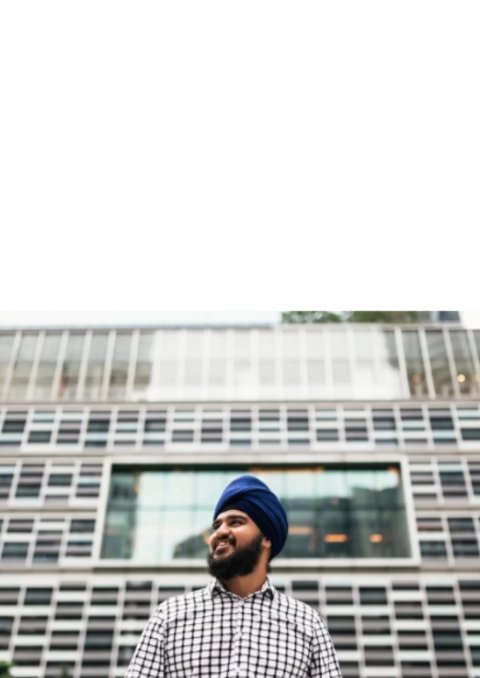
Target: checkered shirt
[(212, 633)]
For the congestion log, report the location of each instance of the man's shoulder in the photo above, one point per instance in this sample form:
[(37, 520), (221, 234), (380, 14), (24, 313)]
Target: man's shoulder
[(297, 609), (183, 603)]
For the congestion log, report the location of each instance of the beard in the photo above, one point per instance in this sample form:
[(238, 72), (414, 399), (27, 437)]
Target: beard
[(240, 563)]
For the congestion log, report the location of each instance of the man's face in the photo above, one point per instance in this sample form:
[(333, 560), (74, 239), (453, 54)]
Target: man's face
[(235, 545)]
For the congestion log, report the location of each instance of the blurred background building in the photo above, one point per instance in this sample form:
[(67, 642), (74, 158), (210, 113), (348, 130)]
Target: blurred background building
[(115, 443)]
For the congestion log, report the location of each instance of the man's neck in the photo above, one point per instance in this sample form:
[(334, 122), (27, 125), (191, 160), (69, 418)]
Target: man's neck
[(244, 586)]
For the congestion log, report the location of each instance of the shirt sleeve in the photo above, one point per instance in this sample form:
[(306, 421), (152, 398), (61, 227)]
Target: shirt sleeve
[(148, 660), (324, 662)]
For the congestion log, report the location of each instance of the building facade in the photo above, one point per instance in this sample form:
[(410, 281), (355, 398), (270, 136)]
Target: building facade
[(116, 442)]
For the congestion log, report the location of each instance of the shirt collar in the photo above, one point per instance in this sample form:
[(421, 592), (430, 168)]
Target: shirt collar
[(216, 588)]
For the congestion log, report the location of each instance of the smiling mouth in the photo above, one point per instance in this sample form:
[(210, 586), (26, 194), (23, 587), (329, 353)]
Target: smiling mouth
[(221, 548)]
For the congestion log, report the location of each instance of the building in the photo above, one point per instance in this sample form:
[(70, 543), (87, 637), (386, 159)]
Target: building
[(115, 443)]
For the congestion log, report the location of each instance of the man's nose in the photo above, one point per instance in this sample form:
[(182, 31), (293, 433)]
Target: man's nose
[(221, 531)]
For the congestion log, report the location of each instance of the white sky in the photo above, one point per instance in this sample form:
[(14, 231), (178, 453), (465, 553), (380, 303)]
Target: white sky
[(252, 155)]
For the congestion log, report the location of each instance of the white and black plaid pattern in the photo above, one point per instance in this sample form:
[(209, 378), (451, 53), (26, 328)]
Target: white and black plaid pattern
[(212, 633)]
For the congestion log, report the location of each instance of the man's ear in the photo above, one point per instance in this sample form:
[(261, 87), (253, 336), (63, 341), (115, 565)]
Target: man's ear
[(267, 543)]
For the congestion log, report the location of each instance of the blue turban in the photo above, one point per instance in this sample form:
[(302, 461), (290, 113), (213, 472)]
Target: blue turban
[(253, 497)]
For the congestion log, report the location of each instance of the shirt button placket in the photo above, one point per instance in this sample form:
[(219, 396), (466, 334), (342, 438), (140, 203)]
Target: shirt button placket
[(237, 620)]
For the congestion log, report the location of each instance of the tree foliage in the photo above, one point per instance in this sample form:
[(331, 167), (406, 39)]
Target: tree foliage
[(311, 317), (5, 669), (355, 316)]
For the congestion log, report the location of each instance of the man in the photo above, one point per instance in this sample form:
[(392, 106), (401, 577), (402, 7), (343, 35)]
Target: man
[(239, 625)]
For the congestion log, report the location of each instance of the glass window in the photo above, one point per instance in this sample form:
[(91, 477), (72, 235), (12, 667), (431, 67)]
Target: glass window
[(6, 344), (194, 344), (218, 344), (120, 363), (390, 383), (47, 366), (335, 511), (417, 381), (290, 343), (316, 372), (315, 344), (365, 372), (193, 372), (95, 366), (476, 336), (242, 344), (217, 371), (243, 373), (71, 366), (439, 362), (266, 344), (23, 367), (291, 372), (465, 370), (267, 372), (143, 369)]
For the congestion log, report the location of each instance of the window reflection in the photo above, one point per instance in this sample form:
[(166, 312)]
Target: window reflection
[(95, 366), (71, 366), (417, 382), (389, 367), (119, 371), (465, 370), (365, 373), (6, 344), (335, 511), (439, 362), (47, 366), (23, 366)]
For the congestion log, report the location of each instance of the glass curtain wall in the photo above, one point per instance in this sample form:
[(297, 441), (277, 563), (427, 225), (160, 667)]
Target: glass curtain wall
[(335, 511), (120, 364), (71, 366), (142, 380), (47, 366), (349, 362), (441, 374), (464, 366), (417, 380), (6, 345), (22, 367), (95, 369)]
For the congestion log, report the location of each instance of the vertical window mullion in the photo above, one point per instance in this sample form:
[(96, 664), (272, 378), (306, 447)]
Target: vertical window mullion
[(108, 364), (83, 365), (58, 369), (426, 362), (9, 371), (475, 357), (36, 360), (402, 362), (451, 361), (132, 363)]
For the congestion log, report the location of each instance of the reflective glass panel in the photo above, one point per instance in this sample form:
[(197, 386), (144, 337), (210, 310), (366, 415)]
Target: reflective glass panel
[(6, 344), (334, 511), (95, 366), (47, 366), (120, 363), (23, 366), (465, 370), (417, 382), (71, 366), (390, 383), (442, 378), (144, 366), (365, 370)]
